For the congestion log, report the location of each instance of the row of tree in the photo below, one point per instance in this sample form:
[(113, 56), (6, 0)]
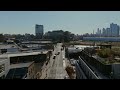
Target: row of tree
[(56, 36), (19, 37), (1, 38), (59, 36)]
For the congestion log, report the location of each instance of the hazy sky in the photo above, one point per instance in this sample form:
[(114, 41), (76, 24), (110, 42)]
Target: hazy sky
[(78, 22)]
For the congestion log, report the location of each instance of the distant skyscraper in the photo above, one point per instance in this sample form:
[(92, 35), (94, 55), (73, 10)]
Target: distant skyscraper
[(97, 32), (108, 32), (39, 31), (93, 32), (114, 28), (100, 33), (103, 32)]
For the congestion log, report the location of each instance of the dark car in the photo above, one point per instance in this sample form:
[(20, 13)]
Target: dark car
[(54, 56), (58, 53), (72, 61), (55, 53)]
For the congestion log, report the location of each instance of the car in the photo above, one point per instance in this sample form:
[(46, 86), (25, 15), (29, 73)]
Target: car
[(54, 56), (63, 58), (58, 53), (72, 61), (55, 53), (66, 77)]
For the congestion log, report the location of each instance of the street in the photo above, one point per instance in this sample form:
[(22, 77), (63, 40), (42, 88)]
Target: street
[(55, 68)]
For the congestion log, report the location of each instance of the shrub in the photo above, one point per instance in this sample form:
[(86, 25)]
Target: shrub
[(105, 53)]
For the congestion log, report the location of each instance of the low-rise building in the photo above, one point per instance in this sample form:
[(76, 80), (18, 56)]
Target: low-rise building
[(4, 67), (20, 64), (21, 71)]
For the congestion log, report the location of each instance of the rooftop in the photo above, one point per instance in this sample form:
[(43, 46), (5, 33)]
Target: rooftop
[(73, 50), (6, 55), (27, 53), (36, 42), (3, 59), (3, 56), (6, 46), (20, 65), (17, 73)]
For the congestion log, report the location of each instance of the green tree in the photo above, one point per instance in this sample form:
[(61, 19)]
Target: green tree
[(66, 36), (105, 53), (2, 38)]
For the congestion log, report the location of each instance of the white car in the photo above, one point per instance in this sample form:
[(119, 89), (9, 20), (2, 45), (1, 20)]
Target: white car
[(66, 77), (72, 61), (63, 58)]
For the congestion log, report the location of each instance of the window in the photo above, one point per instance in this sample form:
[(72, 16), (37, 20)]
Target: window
[(2, 77), (33, 77), (2, 68), (33, 68), (29, 72)]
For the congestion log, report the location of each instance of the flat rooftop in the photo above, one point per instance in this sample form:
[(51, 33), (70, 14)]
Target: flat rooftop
[(27, 42), (6, 46), (20, 65), (3, 56), (27, 53), (73, 50)]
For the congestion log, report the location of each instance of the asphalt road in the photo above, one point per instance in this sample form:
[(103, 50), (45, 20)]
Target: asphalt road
[(56, 69)]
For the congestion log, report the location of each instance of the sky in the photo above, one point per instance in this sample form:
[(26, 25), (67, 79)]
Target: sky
[(77, 22)]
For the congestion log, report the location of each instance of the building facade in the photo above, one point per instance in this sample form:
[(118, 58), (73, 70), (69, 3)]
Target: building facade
[(39, 31), (4, 67), (114, 29)]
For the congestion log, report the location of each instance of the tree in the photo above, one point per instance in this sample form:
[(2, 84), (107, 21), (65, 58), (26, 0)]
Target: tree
[(66, 36), (70, 71), (59, 36), (2, 38)]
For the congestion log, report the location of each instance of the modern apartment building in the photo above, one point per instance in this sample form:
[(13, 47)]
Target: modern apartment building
[(39, 31)]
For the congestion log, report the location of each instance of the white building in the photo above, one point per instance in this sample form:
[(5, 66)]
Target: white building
[(39, 30), (4, 66)]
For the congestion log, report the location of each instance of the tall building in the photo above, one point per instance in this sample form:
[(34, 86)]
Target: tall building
[(108, 32), (114, 28), (100, 33), (103, 32), (39, 31), (97, 33)]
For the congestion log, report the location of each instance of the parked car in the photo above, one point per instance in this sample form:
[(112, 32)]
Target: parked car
[(58, 53), (55, 53), (72, 61), (54, 56), (66, 77)]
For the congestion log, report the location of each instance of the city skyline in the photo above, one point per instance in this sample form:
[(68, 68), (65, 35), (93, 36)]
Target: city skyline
[(78, 22), (111, 31)]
